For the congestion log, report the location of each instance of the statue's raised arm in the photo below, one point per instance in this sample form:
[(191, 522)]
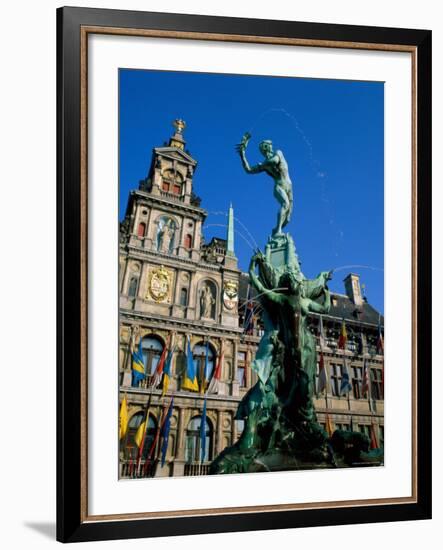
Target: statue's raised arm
[(274, 165)]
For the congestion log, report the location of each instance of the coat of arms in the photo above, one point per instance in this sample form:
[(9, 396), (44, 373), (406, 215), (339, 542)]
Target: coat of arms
[(159, 284), (230, 294)]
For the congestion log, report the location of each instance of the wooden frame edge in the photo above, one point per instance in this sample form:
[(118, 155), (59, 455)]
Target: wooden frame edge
[(84, 31)]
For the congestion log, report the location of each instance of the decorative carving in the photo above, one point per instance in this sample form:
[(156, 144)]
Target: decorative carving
[(159, 284), (230, 294)]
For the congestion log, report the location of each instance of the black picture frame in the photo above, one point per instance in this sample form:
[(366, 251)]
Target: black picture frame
[(72, 523)]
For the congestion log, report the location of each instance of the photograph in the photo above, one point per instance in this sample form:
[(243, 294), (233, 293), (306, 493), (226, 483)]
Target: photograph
[(251, 274)]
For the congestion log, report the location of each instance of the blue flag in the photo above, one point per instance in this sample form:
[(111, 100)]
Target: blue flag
[(190, 380), (165, 431), (203, 432), (138, 366)]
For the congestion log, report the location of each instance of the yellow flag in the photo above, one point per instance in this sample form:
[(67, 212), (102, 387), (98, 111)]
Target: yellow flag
[(123, 418), (329, 425), (189, 384), (165, 384), (140, 435)]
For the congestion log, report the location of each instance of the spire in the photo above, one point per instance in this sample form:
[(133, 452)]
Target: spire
[(177, 139), (230, 244)]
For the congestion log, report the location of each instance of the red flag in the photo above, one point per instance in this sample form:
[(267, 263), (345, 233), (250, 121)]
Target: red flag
[(156, 379), (213, 385), (373, 438), (343, 336), (322, 378)]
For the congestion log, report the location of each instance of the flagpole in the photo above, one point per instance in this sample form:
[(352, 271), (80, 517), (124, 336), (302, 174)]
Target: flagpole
[(142, 444)]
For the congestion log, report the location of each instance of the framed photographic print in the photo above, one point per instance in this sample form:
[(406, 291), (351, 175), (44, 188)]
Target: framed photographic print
[(244, 274)]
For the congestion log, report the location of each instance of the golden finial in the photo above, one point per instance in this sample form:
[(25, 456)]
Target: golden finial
[(179, 124)]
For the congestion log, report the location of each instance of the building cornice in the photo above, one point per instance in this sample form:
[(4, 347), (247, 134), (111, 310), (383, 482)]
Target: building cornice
[(170, 205), (184, 325)]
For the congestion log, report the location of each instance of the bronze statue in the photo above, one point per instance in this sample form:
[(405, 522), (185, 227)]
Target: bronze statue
[(275, 166), (281, 431)]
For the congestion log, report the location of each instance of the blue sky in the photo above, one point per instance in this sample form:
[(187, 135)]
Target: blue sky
[(330, 131)]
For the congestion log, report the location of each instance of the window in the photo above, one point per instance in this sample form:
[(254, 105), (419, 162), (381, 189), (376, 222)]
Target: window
[(241, 377), (165, 186), (342, 426), (199, 355), (376, 383), (183, 297), (141, 230), (131, 449), (132, 289), (188, 241), (152, 349), (241, 368), (176, 189), (365, 429), (193, 447), (336, 376), (352, 346), (357, 382)]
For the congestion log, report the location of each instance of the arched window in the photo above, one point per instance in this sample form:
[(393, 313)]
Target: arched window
[(134, 423), (188, 241), (193, 449), (132, 289), (200, 361), (141, 230), (152, 349), (183, 297)]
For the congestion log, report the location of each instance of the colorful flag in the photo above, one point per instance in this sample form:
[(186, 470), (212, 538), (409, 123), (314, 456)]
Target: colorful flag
[(138, 366), (203, 432), (322, 377), (165, 432), (213, 385), (343, 339), (141, 433), (328, 425), (322, 334), (204, 374), (345, 386), (365, 380), (190, 380), (167, 371), (157, 377), (373, 437), (151, 452), (124, 419), (380, 343)]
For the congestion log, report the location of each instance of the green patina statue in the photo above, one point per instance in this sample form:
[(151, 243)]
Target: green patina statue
[(280, 424), (275, 166)]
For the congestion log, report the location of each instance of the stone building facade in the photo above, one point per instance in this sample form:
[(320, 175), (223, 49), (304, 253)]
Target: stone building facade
[(175, 287)]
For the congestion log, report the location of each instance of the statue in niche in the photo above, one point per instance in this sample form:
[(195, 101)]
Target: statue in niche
[(207, 300), (165, 235)]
